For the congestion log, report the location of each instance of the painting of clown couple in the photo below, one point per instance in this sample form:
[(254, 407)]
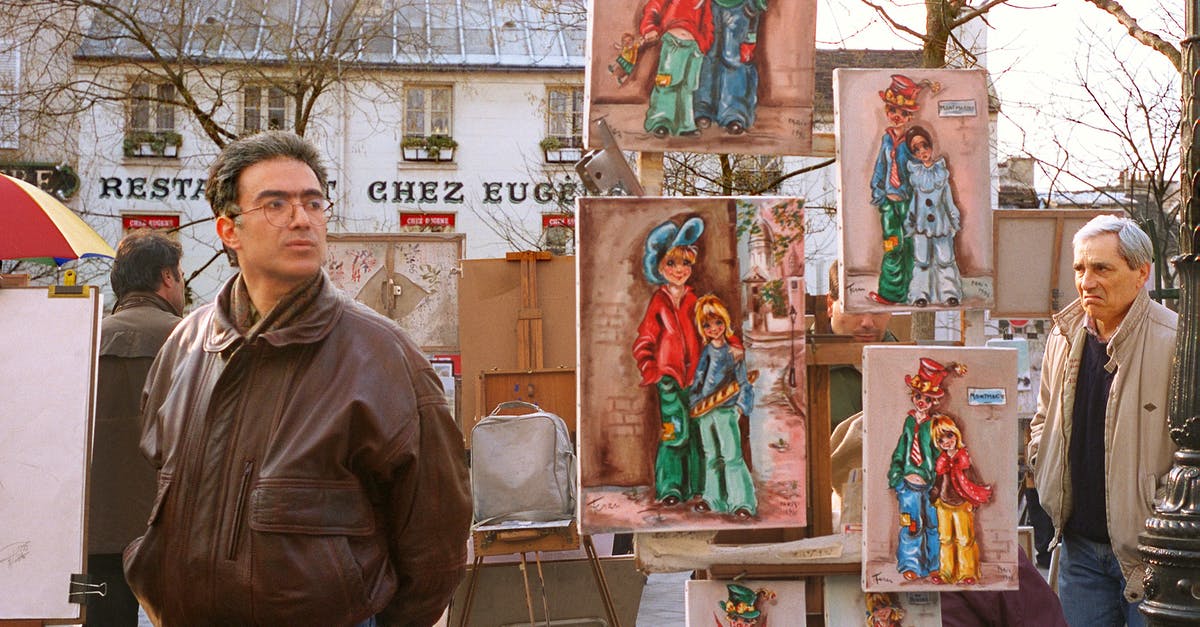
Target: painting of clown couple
[(914, 189), (691, 363), (939, 454), (703, 75), (744, 603)]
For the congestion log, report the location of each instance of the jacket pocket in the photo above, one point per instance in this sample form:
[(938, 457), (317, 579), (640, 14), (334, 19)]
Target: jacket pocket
[(324, 535), (317, 508)]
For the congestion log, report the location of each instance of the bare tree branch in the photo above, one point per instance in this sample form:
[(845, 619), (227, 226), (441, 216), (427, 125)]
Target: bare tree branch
[(1153, 40)]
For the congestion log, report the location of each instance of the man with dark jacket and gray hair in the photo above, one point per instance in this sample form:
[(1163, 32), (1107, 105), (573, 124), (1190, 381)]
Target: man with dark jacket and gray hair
[(309, 469), (1099, 441)]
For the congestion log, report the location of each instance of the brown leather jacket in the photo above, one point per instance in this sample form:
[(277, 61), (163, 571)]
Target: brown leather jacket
[(311, 476)]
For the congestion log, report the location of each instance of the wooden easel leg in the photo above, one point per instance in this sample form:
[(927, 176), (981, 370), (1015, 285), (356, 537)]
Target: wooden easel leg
[(466, 611), (537, 557), (528, 595), (601, 582)]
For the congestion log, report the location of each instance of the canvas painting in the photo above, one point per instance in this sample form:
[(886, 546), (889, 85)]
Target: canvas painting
[(410, 278), (744, 603), (691, 363), (939, 468), (914, 180), (846, 605), (702, 75)]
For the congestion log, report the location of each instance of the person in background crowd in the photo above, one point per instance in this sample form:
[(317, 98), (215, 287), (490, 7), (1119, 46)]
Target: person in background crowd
[(845, 382), (148, 283), (1099, 443)]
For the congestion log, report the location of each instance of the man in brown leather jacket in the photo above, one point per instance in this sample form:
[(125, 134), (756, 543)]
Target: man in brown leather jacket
[(148, 284), (310, 471)]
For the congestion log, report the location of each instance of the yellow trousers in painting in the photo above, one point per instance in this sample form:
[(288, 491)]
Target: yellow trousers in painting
[(956, 534)]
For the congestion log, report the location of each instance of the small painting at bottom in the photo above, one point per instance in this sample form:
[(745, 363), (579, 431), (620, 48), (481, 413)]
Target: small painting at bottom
[(846, 605), (745, 603)]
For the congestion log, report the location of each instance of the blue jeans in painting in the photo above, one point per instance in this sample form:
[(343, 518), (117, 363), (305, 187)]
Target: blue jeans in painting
[(917, 550)]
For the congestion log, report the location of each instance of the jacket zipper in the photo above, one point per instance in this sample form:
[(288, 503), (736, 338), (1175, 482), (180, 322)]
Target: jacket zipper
[(235, 532)]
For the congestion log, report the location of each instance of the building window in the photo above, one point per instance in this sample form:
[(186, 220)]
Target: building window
[(151, 130), (263, 108), (10, 86), (564, 115), (428, 111)]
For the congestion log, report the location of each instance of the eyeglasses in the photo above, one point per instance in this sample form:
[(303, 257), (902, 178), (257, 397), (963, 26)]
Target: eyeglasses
[(279, 211)]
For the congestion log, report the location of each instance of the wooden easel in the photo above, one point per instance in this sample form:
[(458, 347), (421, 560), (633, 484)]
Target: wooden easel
[(530, 357)]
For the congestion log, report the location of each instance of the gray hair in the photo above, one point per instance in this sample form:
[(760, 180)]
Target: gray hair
[(221, 188), (141, 257), (1133, 243)]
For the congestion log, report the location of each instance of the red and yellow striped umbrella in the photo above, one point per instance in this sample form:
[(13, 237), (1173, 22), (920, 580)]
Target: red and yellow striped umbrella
[(36, 227)]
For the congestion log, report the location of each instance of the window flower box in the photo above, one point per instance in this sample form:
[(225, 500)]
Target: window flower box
[(561, 150), (430, 148), (152, 144)]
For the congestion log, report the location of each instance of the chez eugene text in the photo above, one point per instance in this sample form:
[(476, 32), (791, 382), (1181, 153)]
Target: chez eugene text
[(452, 192)]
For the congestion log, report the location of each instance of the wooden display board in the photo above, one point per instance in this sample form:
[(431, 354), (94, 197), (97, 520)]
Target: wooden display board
[(1034, 256), (48, 353), (551, 389)]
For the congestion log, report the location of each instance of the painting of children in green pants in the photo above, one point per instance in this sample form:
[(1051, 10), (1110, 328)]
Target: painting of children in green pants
[(666, 350), (685, 29), (720, 392)]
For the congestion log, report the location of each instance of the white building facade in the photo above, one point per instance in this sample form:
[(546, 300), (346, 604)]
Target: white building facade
[(502, 100)]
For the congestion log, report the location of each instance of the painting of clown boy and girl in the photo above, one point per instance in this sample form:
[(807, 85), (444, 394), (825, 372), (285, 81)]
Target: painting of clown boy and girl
[(691, 363), (939, 449), (703, 75), (914, 189)]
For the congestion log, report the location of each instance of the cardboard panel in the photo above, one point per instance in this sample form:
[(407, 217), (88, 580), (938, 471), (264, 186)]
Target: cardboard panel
[(1034, 256), (490, 303)]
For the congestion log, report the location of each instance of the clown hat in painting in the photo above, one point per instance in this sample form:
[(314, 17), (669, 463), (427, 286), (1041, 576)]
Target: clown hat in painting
[(744, 606), (663, 238), (883, 609), (928, 379), (903, 92)]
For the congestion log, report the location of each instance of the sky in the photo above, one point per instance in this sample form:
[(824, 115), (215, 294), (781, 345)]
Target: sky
[(1035, 48)]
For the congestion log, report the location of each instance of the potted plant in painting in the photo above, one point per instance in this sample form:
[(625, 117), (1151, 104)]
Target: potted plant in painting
[(428, 148), (776, 300), (558, 151)]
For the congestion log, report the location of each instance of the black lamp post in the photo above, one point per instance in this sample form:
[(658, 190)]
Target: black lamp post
[(1171, 543)]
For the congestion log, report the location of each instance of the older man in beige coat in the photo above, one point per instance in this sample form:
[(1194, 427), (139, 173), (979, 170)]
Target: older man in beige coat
[(1099, 441)]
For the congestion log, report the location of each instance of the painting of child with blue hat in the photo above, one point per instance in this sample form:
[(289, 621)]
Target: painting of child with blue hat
[(667, 350)]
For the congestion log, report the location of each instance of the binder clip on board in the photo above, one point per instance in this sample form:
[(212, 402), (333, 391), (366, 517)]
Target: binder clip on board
[(605, 172), (83, 587), (68, 289)]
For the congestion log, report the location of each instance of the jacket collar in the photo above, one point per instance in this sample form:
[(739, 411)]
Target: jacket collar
[(1072, 318), (309, 322), (144, 299)]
